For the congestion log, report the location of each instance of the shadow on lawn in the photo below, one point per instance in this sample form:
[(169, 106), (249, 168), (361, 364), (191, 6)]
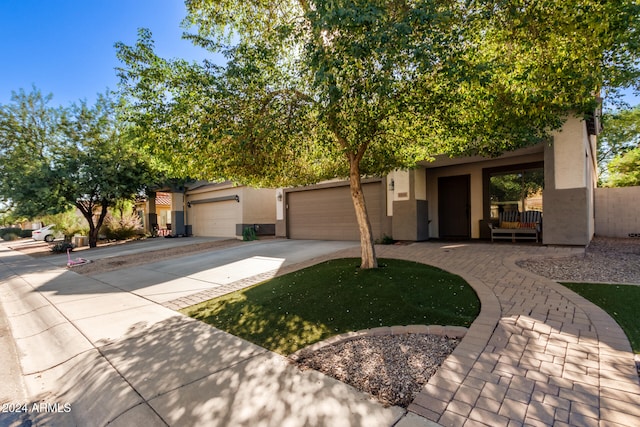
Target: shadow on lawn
[(293, 311)]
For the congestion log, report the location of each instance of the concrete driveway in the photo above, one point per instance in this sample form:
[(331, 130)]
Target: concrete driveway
[(102, 349)]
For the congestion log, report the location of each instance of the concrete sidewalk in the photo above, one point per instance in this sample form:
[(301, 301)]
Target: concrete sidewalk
[(93, 354), (538, 354)]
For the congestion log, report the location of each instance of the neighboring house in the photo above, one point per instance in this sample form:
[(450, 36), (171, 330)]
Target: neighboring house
[(159, 206), (456, 198), (207, 209)]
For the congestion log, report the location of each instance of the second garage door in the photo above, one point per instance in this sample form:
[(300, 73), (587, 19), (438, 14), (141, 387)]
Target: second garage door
[(328, 213), (214, 219)]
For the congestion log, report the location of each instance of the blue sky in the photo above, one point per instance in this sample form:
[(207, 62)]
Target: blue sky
[(66, 47)]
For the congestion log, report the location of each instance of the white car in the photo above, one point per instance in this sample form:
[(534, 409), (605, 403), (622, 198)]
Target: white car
[(44, 233)]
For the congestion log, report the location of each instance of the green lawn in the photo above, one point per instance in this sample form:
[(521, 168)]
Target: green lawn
[(293, 311), (622, 302)]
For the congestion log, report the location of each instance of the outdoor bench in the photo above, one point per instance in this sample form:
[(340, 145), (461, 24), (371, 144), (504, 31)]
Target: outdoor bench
[(529, 228)]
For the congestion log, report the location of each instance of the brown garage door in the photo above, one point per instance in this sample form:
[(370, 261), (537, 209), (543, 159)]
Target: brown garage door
[(328, 213)]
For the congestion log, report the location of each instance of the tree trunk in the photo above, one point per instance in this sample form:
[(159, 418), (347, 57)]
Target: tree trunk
[(94, 229), (369, 259), (93, 236)]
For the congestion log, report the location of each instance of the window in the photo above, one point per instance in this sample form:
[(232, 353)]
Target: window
[(516, 190)]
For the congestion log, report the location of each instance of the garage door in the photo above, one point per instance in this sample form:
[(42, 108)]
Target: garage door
[(328, 213), (214, 219)]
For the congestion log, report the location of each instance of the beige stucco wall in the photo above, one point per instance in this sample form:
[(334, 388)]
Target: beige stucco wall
[(258, 205), (218, 218), (407, 185), (570, 164), (475, 172), (617, 212), (570, 181)]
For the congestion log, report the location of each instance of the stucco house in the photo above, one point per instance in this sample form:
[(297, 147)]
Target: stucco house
[(211, 209), (160, 204), (456, 198), (449, 198)]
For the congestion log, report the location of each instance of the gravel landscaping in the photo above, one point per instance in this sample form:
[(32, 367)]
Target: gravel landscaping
[(606, 260), (393, 368)]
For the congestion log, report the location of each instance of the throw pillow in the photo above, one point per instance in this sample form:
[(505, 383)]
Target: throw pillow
[(506, 224)]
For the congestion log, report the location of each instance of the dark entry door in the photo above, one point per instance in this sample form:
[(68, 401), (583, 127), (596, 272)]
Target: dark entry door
[(454, 207)]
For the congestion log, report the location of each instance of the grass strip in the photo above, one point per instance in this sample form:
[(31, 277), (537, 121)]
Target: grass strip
[(290, 312), (620, 301)]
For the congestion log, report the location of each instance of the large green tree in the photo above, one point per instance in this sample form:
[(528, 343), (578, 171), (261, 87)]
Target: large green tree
[(624, 169), (315, 89), (53, 158), (618, 147)]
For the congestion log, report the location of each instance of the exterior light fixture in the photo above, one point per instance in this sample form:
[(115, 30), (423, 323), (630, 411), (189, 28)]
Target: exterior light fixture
[(392, 185), (279, 197)]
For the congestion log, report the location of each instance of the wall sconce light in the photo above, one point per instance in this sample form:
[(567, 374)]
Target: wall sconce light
[(392, 185), (279, 197), (188, 204)]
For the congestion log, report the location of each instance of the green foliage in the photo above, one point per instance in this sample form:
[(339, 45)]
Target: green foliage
[(68, 223), (621, 132), (249, 234), (514, 187), (62, 247), (293, 311), (360, 80), (619, 148), (122, 224), (624, 169), (57, 158), (15, 231), (386, 240), (10, 237)]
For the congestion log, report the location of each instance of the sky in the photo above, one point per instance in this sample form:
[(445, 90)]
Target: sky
[(66, 47)]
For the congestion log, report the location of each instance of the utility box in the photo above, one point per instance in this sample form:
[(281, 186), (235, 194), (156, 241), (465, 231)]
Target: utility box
[(79, 241)]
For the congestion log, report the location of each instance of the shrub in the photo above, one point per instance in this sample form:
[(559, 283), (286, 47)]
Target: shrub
[(61, 247), (10, 237), (122, 227), (386, 240), (68, 223), (248, 234), (12, 230)]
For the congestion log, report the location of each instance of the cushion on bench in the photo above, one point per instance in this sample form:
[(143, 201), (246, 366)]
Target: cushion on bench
[(510, 225)]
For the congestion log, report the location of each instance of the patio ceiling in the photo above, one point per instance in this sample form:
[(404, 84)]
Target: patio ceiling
[(444, 160)]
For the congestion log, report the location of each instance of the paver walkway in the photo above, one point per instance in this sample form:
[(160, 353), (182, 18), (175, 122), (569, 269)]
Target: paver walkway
[(538, 354)]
